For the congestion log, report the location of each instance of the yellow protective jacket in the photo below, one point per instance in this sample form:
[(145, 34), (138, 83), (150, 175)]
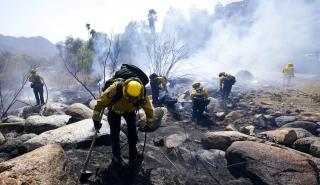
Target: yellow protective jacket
[(35, 78), (200, 91), (120, 106), (288, 70)]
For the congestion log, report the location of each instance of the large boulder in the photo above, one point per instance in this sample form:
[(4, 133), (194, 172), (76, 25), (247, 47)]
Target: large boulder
[(222, 139), (265, 164), (2, 139), (72, 135), (14, 143), (47, 165), (281, 120), (78, 112), (307, 125), (304, 144), (12, 127), (38, 124), (174, 140), (13, 119), (54, 108), (309, 116), (26, 111), (286, 136), (159, 116), (234, 115)]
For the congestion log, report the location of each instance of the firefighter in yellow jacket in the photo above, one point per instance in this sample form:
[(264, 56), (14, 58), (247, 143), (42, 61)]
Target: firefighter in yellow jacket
[(288, 74), (37, 86), (157, 84), (199, 96), (123, 98)]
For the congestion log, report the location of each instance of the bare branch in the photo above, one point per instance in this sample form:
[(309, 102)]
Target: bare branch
[(74, 75)]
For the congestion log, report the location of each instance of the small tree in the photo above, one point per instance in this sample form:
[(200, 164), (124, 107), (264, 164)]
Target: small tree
[(165, 55), (77, 58)]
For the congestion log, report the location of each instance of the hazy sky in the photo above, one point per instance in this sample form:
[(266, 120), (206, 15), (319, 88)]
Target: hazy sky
[(55, 19)]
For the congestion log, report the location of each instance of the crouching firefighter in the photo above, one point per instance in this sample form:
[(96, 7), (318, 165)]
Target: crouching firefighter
[(199, 96), (123, 98), (226, 83), (158, 85), (37, 86)]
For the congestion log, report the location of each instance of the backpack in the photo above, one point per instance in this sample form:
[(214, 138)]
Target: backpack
[(125, 72), (229, 79)]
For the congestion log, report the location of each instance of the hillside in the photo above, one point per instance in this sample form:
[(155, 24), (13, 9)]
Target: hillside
[(32, 46)]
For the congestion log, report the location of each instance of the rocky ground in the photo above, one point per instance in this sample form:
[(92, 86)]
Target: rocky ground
[(262, 135)]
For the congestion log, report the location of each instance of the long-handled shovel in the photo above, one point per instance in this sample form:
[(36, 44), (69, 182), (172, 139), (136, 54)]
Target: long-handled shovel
[(85, 174)]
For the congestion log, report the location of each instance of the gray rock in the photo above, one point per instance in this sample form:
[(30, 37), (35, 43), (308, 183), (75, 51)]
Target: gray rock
[(174, 140), (158, 141), (2, 139), (4, 157), (14, 119), (240, 181), (71, 135), (260, 121), (315, 149), (304, 144), (78, 112), (48, 165), (222, 139), (307, 125), (309, 116), (265, 164), (26, 111), (231, 127), (14, 143), (159, 116), (53, 108), (286, 136), (281, 120), (248, 130), (38, 124), (12, 127), (220, 116), (234, 115)]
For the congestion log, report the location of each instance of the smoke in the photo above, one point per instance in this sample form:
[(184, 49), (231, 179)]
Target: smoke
[(260, 36)]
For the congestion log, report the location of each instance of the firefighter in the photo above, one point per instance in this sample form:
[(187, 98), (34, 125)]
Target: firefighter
[(123, 99), (199, 96), (158, 86), (37, 86), (226, 83), (288, 74)]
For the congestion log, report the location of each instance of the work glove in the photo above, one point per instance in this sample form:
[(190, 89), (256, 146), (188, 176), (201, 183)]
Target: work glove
[(147, 126), (97, 125)]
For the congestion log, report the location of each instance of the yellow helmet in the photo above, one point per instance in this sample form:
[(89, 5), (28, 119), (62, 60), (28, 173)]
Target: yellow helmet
[(33, 71), (132, 88), (196, 84), (290, 65)]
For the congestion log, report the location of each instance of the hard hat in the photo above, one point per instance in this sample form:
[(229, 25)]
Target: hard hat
[(222, 74), (153, 75), (33, 71), (290, 65), (132, 89), (196, 84)]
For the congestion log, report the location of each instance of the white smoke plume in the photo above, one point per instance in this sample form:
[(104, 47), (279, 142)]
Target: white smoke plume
[(262, 41)]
